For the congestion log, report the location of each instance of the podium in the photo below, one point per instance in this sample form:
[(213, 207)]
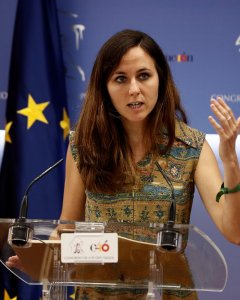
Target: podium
[(58, 254)]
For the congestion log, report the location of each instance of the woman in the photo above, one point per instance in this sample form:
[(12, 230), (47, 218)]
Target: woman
[(132, 150), (133, 117)]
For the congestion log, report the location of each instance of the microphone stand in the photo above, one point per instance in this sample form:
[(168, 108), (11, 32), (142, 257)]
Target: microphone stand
[(169, 238), (21, 232)]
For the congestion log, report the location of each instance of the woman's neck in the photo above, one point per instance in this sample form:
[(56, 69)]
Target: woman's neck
[(138, 141)]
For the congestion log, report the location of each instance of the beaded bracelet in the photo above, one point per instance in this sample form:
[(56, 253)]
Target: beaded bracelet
[(225, 190)]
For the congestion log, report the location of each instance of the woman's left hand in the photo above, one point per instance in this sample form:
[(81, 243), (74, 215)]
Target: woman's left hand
[(227, 127)]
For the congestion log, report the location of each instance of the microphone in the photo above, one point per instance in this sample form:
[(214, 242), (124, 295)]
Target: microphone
[(20, 232), (169, 238)]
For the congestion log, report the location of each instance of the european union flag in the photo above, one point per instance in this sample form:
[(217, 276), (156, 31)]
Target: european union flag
[(37, 123)]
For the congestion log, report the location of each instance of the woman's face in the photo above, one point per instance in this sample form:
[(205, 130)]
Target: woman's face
[(133, 86)]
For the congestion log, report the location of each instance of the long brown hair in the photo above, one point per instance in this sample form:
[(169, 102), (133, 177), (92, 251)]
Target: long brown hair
[(105, 157)]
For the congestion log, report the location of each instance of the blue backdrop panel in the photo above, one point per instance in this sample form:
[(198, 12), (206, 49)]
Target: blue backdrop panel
[(199, 40), (7, 17)]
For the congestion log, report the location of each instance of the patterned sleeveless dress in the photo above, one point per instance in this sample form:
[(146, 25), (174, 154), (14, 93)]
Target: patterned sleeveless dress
[(148, 201)]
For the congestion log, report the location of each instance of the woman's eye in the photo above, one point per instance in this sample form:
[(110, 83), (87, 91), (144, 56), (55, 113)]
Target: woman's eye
[(144, 76), (120, 79)]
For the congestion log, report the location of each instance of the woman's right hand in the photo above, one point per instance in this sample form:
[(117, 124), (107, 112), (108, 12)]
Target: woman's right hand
[(14, 262)]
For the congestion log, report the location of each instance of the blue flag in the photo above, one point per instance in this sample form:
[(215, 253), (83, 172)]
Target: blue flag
[(37, 124)]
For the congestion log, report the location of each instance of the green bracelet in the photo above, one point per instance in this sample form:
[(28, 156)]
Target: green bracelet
[(225, 190)]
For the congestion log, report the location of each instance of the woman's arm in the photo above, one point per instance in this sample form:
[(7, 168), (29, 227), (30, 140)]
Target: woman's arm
[(73, 207), (226, 212)]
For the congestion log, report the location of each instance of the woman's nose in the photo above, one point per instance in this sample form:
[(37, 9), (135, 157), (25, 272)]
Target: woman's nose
[(134, 88)]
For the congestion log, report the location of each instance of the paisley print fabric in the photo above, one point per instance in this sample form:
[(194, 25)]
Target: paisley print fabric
[(159, 180)]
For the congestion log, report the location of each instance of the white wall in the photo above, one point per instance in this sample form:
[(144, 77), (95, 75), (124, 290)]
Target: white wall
[(2, 132)]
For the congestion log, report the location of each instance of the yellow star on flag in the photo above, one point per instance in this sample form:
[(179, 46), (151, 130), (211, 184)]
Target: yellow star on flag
[(72, 296), (34, 111), (7, 297), (65, 124), (7, 135)]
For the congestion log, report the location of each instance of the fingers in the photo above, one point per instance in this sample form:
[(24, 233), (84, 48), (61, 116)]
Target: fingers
[(226, 123), (13, 262)]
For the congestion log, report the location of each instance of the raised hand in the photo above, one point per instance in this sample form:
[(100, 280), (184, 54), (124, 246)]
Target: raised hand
[(227, 126)]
